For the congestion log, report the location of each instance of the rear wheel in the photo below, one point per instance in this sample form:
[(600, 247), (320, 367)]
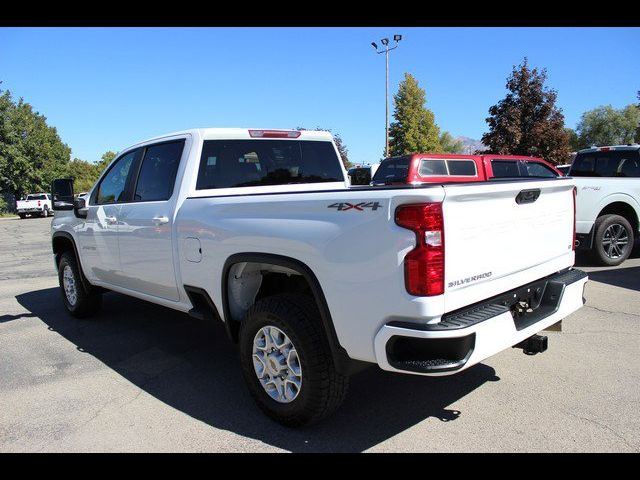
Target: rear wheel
[(78, 301), (22, 216), (45, 211), (613, 240), (287, 363)]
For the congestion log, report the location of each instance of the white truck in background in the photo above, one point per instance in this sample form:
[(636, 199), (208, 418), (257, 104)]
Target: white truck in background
[(608, 201), (35, 204), (315, 279)]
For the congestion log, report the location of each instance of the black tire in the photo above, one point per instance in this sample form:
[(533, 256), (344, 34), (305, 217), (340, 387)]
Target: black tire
[(45, 212), (601, 229), (87, 302), (22, 216), (323, 388)]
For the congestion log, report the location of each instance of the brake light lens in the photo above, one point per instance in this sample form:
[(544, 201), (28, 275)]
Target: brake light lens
[(424, 265), (38, 202), (274, 133), (573, 243)]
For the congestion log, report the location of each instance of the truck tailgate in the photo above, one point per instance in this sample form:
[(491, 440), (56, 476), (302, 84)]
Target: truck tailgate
[(500, 235)]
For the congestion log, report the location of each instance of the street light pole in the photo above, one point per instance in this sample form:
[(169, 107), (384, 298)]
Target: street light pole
[(385, 42)]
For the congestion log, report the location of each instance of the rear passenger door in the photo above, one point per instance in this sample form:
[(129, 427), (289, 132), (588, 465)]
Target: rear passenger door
[(146, 220)]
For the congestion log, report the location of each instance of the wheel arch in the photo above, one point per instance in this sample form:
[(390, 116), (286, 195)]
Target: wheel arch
[(62, 242), (624, 209), (341, 359)]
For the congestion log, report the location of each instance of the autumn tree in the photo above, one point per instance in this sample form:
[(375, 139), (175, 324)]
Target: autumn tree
[(527, 121), (414, 129)]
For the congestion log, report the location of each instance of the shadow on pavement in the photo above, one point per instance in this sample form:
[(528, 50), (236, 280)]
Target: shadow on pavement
[(628, 277), (194, 368)]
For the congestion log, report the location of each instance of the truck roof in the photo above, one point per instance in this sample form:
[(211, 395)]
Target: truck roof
[(604, 148), (242, 133)]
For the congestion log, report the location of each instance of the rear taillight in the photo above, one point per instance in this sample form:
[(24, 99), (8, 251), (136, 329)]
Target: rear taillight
[(573, 243), (38, 202), (274, 133), (424, 265)]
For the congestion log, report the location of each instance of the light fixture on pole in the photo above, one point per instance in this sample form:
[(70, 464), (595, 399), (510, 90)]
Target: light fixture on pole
[(386, 50)]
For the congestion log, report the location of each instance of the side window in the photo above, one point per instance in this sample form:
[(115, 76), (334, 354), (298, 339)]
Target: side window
[(158, 172), (462, 168), (628, 167), (536, 169), (432, 168), (505, 168), (112, 187)]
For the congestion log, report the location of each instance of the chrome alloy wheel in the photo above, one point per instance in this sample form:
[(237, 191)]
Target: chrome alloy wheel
[(69, 284), (276, 363), (615, 240)]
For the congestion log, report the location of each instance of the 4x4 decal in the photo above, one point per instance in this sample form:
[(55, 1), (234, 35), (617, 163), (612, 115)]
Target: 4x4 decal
[(343, 206)]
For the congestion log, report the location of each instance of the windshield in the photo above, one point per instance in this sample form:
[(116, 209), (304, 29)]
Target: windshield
[(614, 163), (392, 170)]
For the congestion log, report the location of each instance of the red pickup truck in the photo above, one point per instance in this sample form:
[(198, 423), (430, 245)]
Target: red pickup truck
[(448, 168)]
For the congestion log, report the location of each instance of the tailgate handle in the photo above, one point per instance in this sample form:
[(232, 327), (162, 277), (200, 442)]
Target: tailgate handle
[(528, 196)]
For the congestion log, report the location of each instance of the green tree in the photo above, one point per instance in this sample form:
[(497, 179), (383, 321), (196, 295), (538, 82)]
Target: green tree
[(31, 152), (574, 142), (606, 125), (638, 129), (527, 121), (105, 160), (84, 174), (340, 145), (414, 129), (450, 144)]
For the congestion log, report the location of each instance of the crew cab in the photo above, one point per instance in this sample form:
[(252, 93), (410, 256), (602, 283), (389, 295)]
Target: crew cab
[(35, 204), (608, 201), (315, 279), (449, 168)]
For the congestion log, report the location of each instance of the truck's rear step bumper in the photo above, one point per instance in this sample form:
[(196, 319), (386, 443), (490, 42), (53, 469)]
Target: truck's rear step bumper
[(471, 334)]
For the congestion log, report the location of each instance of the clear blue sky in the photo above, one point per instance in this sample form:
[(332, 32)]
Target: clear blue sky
[(105, 88)]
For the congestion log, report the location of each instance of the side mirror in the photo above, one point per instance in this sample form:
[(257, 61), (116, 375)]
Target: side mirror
[(80, 207), (62, 194)]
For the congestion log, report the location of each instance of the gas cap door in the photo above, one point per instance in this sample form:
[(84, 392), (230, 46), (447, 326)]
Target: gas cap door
[(192, 249)]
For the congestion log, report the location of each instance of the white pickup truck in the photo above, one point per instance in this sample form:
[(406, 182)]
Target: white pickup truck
[(315, 279), (35, 204), (608, 201)]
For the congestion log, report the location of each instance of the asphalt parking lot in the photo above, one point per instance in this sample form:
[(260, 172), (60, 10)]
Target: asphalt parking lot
[(140, 377)]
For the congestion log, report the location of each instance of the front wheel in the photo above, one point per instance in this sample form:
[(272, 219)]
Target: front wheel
[(78, 301), (287, 362), (613, 240)]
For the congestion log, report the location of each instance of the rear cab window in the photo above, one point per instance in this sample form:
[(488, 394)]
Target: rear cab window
[(516, 168), (251, 163), (613, 163), (505, 168)]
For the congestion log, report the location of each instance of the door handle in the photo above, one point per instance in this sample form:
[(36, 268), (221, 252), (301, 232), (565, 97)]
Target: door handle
[(160, 220), (111, 220)]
